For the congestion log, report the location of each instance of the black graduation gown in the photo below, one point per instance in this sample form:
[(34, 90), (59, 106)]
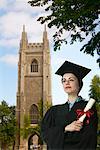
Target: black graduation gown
[(54, 122)]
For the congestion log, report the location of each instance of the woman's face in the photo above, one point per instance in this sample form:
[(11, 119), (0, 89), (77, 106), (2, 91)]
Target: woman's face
[(70, 83)]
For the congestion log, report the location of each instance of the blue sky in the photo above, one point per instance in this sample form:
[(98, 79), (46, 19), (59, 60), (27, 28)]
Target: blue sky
[(15, 13)]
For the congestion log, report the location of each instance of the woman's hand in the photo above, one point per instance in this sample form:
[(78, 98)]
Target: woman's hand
[(74, 126)]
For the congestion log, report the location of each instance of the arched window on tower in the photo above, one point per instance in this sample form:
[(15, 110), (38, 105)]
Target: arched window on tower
[(34, 114), (34, 66)]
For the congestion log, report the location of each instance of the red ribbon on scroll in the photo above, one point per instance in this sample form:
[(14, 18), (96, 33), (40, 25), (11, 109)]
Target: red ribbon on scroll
[(88, 113)]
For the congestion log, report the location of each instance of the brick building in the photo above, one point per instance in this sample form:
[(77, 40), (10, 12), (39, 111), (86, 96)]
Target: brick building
[(34, 84)]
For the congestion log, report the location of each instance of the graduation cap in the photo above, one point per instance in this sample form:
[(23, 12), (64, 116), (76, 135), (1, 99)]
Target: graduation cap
[(68, 67)]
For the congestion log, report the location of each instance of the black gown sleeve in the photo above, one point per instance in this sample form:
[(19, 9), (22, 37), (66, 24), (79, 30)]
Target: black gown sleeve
[(86, 138), (90, 132), (52, 134)]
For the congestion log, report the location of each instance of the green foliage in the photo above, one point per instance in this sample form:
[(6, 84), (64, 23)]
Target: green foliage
[(7, 124), (28, 129), (26, 121), (95, 93), (80, 17), (95, 88), (48, 105), (40, 108)]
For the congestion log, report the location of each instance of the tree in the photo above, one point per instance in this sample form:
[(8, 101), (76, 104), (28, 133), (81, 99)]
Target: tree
[(95, 88), (7, 125), (95, 93), (80, 17), (40, 108), (28, 129)]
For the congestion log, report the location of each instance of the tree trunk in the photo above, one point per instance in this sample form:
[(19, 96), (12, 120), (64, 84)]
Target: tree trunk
[(13, 145), (4, 146)]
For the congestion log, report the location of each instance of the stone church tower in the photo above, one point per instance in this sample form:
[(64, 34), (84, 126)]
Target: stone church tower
[(34, 84)]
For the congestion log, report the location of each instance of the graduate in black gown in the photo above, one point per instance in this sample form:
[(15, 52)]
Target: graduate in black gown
[(60, 128)]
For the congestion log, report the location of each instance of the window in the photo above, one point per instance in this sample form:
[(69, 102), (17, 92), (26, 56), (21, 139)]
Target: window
[(34, 66), (34, 114)]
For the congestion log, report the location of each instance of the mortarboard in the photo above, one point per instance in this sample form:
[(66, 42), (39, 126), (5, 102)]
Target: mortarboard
[(77, 70)]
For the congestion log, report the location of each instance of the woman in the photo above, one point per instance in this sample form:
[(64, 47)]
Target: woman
[(61, 129)]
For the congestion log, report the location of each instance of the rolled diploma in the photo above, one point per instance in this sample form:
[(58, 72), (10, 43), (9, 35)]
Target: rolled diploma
[(87, 107)]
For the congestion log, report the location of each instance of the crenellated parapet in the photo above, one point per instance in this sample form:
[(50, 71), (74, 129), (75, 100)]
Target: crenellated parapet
[(35, 47)]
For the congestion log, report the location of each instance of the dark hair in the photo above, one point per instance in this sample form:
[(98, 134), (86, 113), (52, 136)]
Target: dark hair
[(79, 81), (80, 84)]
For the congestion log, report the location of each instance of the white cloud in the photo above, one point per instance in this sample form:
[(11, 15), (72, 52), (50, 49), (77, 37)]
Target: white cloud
[(3, 4), (11, 24), (22, 0), (19, 12), (9, 59), (11, 43), (23, 5), (11, 28), (20, 6)]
